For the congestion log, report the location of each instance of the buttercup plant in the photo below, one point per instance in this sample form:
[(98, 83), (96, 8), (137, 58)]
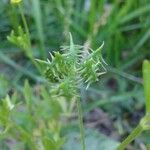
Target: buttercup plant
[(71, 69), (22, 40)]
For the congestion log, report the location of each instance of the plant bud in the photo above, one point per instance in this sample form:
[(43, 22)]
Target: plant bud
[(15, 1)]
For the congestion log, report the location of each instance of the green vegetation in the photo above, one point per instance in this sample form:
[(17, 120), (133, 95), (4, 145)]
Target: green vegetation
[(145, 121), (91, 92)]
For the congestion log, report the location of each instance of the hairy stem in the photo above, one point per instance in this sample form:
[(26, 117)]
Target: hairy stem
[(137, 131), (80, 116)]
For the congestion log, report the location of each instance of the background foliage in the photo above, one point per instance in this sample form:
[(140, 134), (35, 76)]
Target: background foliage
[(112, 106)]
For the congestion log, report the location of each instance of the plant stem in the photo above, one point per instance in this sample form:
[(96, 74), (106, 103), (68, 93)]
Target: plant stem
[(131, 137), (80, 117), (25, 24), (28, 35)]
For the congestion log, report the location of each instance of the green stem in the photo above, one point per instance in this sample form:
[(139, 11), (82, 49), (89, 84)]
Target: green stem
[(25, 24), (28, 35), (131, 137), (80, 116)]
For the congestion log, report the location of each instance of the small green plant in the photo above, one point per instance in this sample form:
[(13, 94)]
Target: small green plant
[(145, 121), (21, 38), (32, 122), (5, 111), (71, 70)]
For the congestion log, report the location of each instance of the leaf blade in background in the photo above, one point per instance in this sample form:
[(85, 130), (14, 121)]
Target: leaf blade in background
[(38, 21), (146, 77)]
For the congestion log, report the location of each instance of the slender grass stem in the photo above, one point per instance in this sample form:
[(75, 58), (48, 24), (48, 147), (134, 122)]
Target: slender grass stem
[(131, 137), (80, 116)]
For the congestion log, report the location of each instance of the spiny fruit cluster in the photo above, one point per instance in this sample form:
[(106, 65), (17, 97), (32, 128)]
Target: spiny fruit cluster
[(73, 68)]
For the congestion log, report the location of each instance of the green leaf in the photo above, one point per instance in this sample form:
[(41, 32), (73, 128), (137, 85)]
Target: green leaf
[(5, 111), (21, 40), (49, 144), (27, 94), (146, 77)]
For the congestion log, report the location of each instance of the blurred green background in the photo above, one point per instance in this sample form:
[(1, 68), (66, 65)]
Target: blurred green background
[(114, 105)]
